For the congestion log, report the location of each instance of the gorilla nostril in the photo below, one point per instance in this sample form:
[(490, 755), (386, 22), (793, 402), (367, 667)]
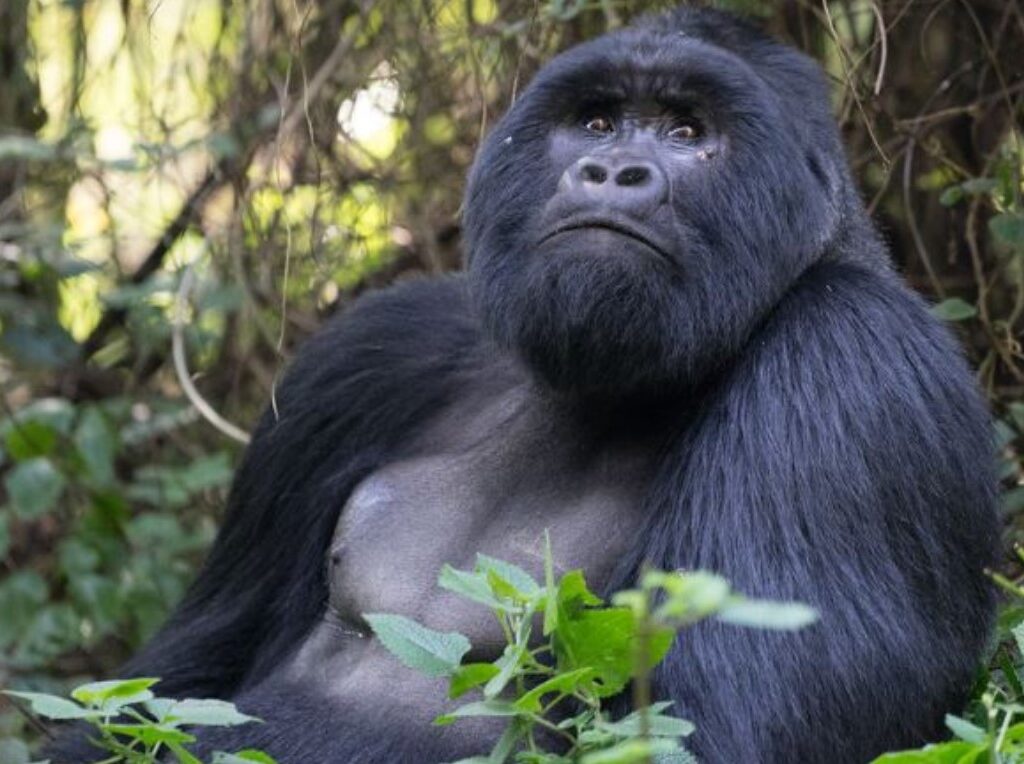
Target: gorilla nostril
[(593, 173), (636, 175)]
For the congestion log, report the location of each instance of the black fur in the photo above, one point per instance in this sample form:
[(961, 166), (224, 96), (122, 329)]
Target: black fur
[(831, 448)]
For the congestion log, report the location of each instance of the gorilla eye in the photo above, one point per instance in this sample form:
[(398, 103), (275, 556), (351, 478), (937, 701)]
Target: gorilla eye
[(599, 124), (686, 130)]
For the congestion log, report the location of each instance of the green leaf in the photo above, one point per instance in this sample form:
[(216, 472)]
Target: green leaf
[(963, 729), (1003, 434), (659, 725), (45, 345), (34, 487), (1018, 636), (472, 586), (1016, 410), (77, 557), (183, 756), (431, 652), (954, 309), (56, 413), (550, 602), (679, 756), (506, 744), (1008, 227), (951, 196), (601, 639), (5, 537), (976, 186), (573, 593), (13, 751), (53, 707), (765, 614), (97, 597), (479, 708), (29, 439), (957, 752), (22, 594), (213, 471), (470, 675), (114, 693), (52, 630), (151, 734), (691, 596), (635, 751), (507, 666), (1012, 501), (96, 444), (563, 684), (207, 713), (511, 574), (247, 756)]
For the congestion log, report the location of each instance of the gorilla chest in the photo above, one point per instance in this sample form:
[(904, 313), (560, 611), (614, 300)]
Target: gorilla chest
[(507, 479)]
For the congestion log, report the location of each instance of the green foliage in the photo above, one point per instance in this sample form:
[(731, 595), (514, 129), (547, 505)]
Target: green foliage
[(134, 726), (586, 651), (115, 566)]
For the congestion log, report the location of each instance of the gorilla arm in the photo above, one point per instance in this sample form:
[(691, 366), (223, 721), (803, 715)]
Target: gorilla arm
[(356, 391), (844, 463)]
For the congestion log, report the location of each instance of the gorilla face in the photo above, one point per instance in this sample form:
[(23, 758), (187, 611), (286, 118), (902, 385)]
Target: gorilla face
[(647, 201)]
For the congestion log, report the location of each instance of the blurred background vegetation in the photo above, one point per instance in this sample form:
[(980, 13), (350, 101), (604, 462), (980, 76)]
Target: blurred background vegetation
[(188, 188)]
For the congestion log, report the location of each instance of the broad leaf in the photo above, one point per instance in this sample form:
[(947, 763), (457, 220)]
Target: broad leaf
[(248, 756), (765, 614), (631, 752), (963, 729), (506, 665), (34, 487), (563, 684), (515, 576), (954, 309), (472, 586), (434, 653), (208, 713), (479, 708), (1008, 227), (52, 707), (658, 725), (118, 692), (470, 675)]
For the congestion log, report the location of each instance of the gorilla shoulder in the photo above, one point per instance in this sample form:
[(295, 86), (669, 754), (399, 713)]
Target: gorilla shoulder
[(412, 331)]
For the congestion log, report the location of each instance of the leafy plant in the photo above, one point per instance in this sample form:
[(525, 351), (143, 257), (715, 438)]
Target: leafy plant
[(567, 653), (134, 726), (74, 476)]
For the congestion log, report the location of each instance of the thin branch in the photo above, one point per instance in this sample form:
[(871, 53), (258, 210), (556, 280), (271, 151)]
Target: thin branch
[(181, 366)]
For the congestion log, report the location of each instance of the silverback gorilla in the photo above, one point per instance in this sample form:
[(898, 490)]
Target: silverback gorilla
[(679, 340)]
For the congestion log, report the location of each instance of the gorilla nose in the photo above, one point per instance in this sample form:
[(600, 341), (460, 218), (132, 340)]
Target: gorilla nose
[(628, 183)]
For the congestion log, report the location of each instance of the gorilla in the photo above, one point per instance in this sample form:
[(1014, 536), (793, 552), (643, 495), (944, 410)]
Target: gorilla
[(678, 340)]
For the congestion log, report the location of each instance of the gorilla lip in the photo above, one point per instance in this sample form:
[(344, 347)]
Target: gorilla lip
[(603, 224)]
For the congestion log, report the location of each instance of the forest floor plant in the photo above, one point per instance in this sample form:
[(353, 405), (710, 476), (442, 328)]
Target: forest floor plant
[(556, 684)]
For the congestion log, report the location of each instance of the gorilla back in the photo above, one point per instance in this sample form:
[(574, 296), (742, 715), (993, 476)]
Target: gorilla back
[(678, 326)]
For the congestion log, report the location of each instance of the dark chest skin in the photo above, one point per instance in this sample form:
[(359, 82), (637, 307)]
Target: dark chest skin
[(490, 475)]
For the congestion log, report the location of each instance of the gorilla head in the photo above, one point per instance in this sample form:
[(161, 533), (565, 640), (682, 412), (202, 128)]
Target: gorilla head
[(649, 198)]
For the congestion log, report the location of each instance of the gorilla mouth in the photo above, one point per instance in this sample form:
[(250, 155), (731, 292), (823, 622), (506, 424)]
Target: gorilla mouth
[(615, 226)]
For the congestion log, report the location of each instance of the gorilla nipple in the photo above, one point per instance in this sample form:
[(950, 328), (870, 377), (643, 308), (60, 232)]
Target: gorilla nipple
[(336, 555)]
